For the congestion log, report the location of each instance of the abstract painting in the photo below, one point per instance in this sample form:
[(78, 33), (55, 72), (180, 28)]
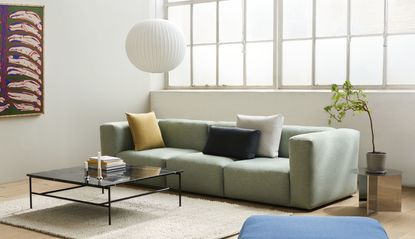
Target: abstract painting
[(21, 60)]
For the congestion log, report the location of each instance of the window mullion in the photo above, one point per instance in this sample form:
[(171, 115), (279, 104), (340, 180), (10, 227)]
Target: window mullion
[(244, 40), (313, 46), (385, 43), (349, 38), (278, 39), (217, 43), (191, 46)]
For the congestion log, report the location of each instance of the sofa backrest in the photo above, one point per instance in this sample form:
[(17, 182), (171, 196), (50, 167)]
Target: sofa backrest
[(289, 131), (183, 133), (193, 134)]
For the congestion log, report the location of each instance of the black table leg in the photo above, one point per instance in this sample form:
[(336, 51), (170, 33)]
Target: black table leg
[(102, 190), (30, 191), (180, 189), (109, 205)]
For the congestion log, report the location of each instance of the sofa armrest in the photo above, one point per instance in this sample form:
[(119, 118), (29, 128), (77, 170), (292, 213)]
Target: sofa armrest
[(323, 167), (115, 137)]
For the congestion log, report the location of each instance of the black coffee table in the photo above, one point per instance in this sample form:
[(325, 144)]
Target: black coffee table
[(77, 176)]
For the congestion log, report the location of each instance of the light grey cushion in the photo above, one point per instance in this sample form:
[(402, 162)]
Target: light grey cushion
[(264, 180), (202, 173), (185, 134), (270, 127), (152, 157)]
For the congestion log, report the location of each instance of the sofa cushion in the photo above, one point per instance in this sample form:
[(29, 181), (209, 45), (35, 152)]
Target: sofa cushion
[(289, 131), (145, 131), (264, 180), (202, 173), (186, 134), (232, 142), (270, 127), (152, 157)]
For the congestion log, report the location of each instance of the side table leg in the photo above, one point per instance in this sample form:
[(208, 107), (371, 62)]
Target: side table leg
[(102, 190), (109, 205), (30, 191), (180, 189)]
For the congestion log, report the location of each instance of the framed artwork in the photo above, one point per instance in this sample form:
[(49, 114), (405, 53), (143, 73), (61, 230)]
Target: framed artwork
[(21, 60)]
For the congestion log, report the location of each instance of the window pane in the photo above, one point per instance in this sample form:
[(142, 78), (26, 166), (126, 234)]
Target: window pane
[(259, 64), (331, 17), (401, 51), (367, 16), (331, 61), (231, 64), (204, 23), (180, 16), (259, 19), (180, 76), (230, 21), (297, 18), (204, 65), (366, 60), (401, 16), (296, 62)]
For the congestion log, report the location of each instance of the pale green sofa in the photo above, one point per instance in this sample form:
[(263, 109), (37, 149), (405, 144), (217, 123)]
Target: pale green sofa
[(316, 165)]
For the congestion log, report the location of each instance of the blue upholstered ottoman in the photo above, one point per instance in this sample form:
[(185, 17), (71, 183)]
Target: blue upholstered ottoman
[(311, 227)]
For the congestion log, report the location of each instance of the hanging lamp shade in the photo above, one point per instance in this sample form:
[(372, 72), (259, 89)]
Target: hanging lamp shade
[(155, 46)]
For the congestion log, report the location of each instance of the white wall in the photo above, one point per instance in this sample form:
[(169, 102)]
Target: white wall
[(393, 112), (88, 81)]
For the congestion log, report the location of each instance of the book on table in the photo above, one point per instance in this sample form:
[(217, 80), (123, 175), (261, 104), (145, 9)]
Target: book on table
[(108, 163), (107, 174)]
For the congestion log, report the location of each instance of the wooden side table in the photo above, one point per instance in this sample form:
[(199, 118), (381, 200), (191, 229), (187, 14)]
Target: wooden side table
[(383, 192)]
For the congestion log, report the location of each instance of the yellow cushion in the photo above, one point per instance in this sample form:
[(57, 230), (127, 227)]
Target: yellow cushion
[(145, 131)]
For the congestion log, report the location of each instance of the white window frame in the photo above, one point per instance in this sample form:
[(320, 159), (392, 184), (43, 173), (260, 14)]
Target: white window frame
[(277, 52), (217, 44)]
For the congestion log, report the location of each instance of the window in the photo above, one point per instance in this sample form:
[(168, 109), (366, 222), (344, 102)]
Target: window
[(295, 43), (230, 43), (324, 42)]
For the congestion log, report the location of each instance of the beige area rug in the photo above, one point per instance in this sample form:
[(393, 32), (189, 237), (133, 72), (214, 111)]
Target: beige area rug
[(153, 216)]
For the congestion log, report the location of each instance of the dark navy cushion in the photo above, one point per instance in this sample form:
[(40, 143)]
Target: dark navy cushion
[(311, 227), (235, 143)]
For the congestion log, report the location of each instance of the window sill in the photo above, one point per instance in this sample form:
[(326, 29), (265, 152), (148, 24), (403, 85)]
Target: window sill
[(274, 91)]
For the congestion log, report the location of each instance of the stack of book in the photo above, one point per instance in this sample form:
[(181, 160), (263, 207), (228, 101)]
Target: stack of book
[(109, 165)]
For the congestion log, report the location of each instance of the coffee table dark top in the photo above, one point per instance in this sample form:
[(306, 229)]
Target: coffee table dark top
[(76, 175)]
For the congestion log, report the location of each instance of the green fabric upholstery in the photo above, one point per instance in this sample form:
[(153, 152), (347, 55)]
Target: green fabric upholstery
[(289, 131), (224, 123), (322, 167), (264, 180), (202, 173), (186, 134), (115, 137), (152, 157)]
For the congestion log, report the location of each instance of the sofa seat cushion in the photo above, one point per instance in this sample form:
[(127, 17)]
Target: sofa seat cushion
[(264, 180), (152, 157), (202, 173)]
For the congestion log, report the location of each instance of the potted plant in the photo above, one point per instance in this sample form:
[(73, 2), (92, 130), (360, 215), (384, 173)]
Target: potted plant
[(355, 100)]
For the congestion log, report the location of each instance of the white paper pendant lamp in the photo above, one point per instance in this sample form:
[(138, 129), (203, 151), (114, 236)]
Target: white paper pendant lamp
[(155, 46)]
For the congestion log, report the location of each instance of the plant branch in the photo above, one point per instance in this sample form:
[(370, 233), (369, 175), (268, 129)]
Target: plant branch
[(349, 99)]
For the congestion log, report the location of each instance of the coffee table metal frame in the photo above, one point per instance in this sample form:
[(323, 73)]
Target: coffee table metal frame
[(109, 202)]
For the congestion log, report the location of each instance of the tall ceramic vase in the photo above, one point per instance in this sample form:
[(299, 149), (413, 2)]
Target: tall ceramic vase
[(376, 162)]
